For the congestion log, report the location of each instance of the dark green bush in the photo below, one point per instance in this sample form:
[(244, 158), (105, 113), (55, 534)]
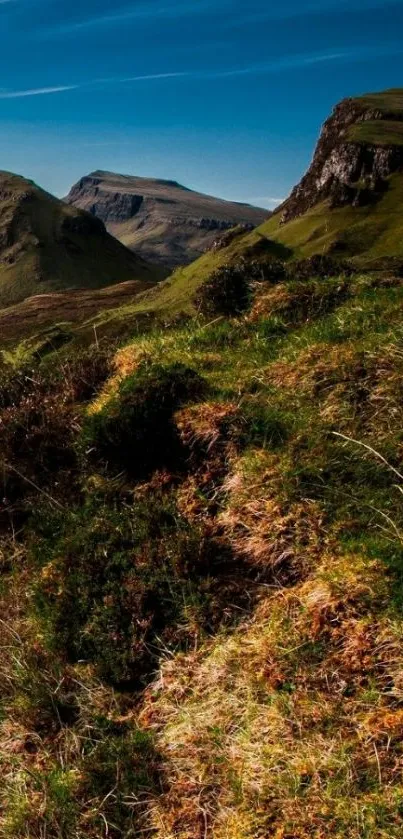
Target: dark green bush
[(135, 432), (319, 265), (228, 291), (40, 418)]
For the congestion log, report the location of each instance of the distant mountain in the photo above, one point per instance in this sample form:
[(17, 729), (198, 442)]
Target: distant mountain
[(161, 220), (46, 246)]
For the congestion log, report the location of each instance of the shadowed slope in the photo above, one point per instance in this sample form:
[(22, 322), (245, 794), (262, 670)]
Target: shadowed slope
[(47, 246)]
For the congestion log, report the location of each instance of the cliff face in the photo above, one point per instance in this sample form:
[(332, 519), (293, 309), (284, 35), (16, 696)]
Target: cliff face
[(161, 220), (360, 146)]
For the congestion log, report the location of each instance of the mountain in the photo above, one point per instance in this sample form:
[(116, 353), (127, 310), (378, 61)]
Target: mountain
[(347, 205), (201, 560), (161, 220), (46, 246)]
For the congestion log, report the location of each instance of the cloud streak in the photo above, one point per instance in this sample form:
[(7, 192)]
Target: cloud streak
[(144, 11), (276, 65), (37, 91), (266, 199), (320, 9)]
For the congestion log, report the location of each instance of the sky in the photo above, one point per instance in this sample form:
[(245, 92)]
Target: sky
[(224, 96)]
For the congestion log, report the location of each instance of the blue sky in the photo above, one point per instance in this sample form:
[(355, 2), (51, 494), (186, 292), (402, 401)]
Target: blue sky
[(222, 95)]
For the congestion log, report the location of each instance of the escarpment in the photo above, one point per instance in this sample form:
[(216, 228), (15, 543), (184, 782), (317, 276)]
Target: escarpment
[(161, 220), (360, 146)]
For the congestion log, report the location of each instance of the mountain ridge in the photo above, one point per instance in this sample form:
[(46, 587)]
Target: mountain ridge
[(346, 205), (162, 220)]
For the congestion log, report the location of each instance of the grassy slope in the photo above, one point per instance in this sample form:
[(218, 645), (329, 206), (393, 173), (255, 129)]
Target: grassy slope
[(378, 132), (364, 234), (389, 130), (389, 101), (286, 720), (44, 255)]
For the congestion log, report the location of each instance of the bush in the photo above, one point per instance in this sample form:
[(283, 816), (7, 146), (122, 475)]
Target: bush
[(227, 292), (39, 422), (121, 582), (135, 432), (319, 265)]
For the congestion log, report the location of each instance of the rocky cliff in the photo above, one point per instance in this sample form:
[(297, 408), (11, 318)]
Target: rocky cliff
[(161, 220), (360, 146)]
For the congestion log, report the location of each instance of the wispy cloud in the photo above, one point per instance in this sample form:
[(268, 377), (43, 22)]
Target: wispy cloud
[(287, 11), (36, 91), (266, 199), (275, 65), (152, 77), (142, 11)]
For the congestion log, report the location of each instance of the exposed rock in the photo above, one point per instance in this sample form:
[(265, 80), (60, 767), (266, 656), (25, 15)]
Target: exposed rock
[(344, 170), (161, 220)]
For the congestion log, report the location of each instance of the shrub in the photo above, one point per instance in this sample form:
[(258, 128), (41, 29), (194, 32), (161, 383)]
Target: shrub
[(135, 432), (319, 265), (121, 582), (227, 292), (40, 420)]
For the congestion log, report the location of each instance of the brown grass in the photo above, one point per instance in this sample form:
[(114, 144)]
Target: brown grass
[(269, 732)]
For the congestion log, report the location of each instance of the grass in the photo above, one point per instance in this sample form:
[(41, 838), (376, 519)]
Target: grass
[(377, 132), (210, 646), (387, 101), (48, 246)]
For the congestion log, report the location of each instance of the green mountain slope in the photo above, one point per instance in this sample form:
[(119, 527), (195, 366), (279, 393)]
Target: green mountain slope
[(48, 246), (348, 204)]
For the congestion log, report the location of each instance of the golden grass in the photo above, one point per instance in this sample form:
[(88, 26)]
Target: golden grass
[(286, 727)]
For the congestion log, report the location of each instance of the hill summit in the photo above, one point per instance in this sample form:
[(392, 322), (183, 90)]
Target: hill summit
[(47, 246), (160, 219)]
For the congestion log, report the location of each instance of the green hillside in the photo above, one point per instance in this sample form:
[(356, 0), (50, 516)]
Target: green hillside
[(201, 527), (385, 131), (389, 102), (363, 235), (47, 246), (201, 580)]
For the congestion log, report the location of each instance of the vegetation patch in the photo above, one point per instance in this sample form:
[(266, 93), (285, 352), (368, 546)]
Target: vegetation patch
[(206, 640), (135, 430)]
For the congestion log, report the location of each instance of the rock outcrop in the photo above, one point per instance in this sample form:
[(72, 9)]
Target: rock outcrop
[(359, 148), (161, 220)]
